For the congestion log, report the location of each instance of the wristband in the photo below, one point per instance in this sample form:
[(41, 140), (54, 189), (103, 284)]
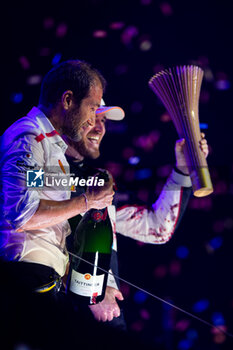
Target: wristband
[(179, 171)]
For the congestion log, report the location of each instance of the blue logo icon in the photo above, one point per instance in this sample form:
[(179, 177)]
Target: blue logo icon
[(35, 178)]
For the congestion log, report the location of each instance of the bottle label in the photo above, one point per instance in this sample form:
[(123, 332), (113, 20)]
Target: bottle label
[(86, 284)]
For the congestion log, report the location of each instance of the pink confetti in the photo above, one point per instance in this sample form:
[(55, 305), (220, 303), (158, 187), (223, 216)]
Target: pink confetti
[(137, 326), (160, 271), (116, 25), (146, 2), (128, 34), (34, 79), (165, 117), (125, 289), (25, 64), (99, 34), (166, 9), (218, 226), (145, 314), (175, 268), (201, 203), (45, 51), (114, 168), (182, 325), (61, 30), (164, 170), (48, 23), (128, 152), (219, 338)]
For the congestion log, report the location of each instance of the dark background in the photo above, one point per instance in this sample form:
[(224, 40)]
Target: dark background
[(129, 41)]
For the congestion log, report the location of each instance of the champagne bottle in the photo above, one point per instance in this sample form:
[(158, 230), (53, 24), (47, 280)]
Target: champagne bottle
[(93, 247)]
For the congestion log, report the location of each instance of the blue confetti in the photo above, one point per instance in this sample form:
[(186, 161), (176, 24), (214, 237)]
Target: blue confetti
[(218, 319), (134, 160), (143, 174), (216, 242), (17, 97), (182, 252), (192, 334), (201, 305), (140, 297), (204, 126), (222, 85), (185, 344), (56, 59)]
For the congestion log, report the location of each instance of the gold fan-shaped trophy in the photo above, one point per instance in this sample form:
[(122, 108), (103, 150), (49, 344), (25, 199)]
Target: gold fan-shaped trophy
[(179, 89)]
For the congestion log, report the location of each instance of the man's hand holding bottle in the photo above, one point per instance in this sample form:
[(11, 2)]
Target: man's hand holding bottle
[(99, 197)]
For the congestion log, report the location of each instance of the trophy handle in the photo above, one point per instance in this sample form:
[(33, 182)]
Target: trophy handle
[(200, 176)]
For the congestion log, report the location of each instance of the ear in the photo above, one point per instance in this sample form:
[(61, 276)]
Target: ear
[(67, 99)]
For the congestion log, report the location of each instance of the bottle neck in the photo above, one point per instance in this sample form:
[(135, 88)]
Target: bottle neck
[(98, 215)]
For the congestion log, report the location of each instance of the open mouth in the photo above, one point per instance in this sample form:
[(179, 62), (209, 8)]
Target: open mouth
[(94, 140)]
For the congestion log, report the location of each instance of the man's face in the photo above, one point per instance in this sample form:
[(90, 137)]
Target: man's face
[(80, 118), (91, 137)]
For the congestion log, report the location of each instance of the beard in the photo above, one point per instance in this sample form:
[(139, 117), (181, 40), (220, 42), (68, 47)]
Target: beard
[(72, 129), (72, 126), (84, 151)]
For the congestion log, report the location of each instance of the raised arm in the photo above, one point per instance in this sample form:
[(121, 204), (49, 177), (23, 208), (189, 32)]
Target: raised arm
[(157, 224)]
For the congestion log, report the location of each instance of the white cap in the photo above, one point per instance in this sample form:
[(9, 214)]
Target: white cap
[(113, 112)]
